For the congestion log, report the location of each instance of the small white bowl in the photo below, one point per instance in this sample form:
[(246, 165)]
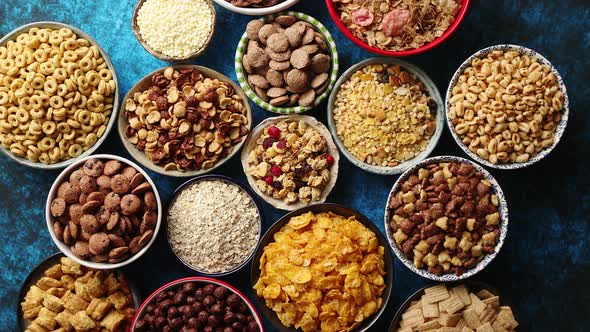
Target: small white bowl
[(432, 92), (63, 176), (256, 11), (559, 130), (81, 34), (502, 210)]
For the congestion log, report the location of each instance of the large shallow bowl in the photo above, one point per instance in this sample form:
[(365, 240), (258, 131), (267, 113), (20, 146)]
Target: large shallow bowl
[(333, 73), (204, 280), (57, 25), (144, 84), (502, 210), (473, 286), (159, 55), (228, 180), (37, 273), (319, 208), (257, 11), (336, 18), (559, 130), (433, 94), (64, 176), (251, 144)]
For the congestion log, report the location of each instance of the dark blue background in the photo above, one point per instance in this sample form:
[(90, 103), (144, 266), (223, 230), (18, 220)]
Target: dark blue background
[(544, 267)]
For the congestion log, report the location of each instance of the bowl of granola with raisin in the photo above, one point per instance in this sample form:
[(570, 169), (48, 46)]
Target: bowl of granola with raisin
[(291, 161)]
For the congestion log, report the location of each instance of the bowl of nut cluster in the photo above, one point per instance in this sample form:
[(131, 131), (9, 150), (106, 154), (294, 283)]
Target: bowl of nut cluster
[(399, 28), (290, 161), (385, 115), (460, 306), (103, 212), (197, 304), (185, 120), (323, 267), (286, 63), (256, 7), (61, 110), (507, 107), (214, 224), (446, 218)]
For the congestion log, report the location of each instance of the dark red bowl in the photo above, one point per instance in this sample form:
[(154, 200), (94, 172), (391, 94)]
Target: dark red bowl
[(336, 18)]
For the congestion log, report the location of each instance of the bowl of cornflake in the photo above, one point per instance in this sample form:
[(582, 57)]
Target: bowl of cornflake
[(399, 28)]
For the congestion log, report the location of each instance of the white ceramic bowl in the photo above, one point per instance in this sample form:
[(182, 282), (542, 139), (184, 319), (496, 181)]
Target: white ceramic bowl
[(64, 176), (57, 25), (502, 210), (559, 130), (256, 11), (433, 93)]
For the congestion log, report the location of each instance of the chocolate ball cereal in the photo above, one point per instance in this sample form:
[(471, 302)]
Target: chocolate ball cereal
[(103, 216), (279, 61)]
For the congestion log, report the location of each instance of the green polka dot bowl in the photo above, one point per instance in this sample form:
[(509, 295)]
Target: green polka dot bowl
[(332, 72)]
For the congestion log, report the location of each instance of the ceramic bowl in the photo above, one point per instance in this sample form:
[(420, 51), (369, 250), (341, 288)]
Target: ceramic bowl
[(251, 144), (559, 130), (228, 180), (257, 11), (502, 210), (202, 280), (162, 56), (38, 272), (144, 84), (81, 34), (268, 237), (438, 111), (333, 73), (473, 286), (64, 176), (458, 19)]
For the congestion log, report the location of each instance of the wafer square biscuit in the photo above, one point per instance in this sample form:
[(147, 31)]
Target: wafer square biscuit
[(405, 329), (484, 294), (461, 324), (427, 326), (488, 315), (487, 327), (493, 302), (435, 294), (466, 329), (462, 292), (429, 310), (447, 320), (452, 304), (476, 304), (498, 327), (449, 329), (471, 318)]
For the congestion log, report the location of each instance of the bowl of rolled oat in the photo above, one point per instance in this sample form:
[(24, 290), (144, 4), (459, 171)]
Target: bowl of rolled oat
[(405, 28), (184, 120), (214, 224), (287, 62), (256, 7), (385, 115), (522, 107), (291, 161)]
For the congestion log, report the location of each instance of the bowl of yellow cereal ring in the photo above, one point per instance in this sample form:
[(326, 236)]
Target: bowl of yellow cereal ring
[(310, 258), (184, 120), (385, 115), (58, 95), (291, 161), (507, 107)]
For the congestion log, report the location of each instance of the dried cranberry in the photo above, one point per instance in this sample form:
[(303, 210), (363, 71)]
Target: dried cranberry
[(268, 180), (276, 170), (274, 132), (282, 144), (330, 160), (268, 142)]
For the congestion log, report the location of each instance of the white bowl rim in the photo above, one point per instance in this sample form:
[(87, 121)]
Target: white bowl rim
[(257, 11), (66, 249), (562, 123), (434, 94), (488, 258), (80, 33)]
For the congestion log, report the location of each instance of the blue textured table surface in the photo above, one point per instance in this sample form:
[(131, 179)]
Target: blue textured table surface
[(544, 266)]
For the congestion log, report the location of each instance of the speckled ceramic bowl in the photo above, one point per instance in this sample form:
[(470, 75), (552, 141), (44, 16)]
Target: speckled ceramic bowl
[(333, 73), (64, 176), (438, 111), (502, 210), (109, 125), (228, 180), (38, 272), (256, 11), (320, 208), (201, 280), (559, 130)]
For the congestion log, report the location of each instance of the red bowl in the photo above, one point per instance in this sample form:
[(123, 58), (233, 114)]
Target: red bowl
[(205, 280), (336, 18)]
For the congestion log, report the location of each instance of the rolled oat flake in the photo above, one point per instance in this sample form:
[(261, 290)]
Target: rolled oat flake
[(213, 226)]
